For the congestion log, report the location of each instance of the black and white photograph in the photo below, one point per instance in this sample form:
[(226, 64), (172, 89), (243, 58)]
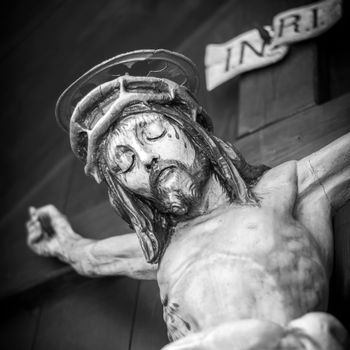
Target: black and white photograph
[(175, 175)]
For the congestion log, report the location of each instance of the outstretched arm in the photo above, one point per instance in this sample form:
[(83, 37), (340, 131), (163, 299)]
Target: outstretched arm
[(50, 234), (327, 172)]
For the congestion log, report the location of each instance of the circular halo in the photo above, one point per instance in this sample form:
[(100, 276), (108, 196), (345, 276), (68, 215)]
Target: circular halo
[(147, 63)]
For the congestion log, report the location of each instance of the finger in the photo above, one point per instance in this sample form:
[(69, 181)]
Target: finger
[(46, 247), (33, 221), (32, 210), (46, 224), (34, 236), (33, 213), (53, 220), (30, 225), (35, 232), (50, 215), (50, 210)]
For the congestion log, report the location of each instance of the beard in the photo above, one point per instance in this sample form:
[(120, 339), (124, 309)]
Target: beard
[(177, 188)]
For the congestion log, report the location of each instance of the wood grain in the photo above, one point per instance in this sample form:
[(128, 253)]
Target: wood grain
[(340, 283), (299, 135), (278, 91), (149, 327), (19, 267), (18, 329), (96, 314)]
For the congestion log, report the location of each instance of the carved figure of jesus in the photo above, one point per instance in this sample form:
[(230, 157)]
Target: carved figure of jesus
[(242, 254)]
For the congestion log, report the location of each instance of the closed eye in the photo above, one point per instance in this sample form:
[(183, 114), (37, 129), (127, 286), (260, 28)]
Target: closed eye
[(154, 130), (156, 137), (124, 161)]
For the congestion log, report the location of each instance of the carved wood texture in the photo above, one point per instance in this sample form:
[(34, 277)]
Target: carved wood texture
[(277, 113)]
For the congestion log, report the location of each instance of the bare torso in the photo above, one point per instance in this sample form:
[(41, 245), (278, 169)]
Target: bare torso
[(261, 262)]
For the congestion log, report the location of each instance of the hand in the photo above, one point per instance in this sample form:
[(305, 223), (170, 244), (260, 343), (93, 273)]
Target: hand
[(48, 232)]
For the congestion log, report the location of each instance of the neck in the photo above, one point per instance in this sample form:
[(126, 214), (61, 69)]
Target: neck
[(213, 196)]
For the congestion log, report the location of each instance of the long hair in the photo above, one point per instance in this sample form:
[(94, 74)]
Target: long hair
[(154, 228)]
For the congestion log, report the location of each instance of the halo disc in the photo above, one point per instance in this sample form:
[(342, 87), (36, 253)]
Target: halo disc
[(147, 63)]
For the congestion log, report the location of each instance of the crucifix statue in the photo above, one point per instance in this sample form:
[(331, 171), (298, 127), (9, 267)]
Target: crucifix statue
[(242, 254)]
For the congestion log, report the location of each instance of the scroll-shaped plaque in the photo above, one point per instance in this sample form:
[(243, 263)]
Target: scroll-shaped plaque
[(258, 48)]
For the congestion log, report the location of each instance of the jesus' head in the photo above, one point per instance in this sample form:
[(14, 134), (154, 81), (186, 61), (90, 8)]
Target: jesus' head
[(151, 142)]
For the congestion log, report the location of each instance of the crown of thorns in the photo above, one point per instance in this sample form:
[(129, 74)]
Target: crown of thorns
[(108, 92)]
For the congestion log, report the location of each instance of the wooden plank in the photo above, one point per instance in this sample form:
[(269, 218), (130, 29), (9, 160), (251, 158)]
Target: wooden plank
[(96, 314), (51, 187), (149, 328), (312, 72), (33, 140), (99, 221), (221, 103), (340, 283), (84, 193), (276, 92), (18, 329), (19, 267), (298, 136), (335, 49), (22, 19)]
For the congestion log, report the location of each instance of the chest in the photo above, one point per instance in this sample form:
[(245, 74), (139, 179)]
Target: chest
[(242, 232), (242, 262)]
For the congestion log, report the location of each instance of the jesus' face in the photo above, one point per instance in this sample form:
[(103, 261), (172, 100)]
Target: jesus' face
[(153, 158)]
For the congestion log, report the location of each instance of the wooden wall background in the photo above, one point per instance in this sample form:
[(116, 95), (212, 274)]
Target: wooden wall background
[(282, 112)]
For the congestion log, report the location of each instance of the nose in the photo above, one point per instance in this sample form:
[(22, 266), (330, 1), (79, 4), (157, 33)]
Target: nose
[(151, 162), (148, 157)]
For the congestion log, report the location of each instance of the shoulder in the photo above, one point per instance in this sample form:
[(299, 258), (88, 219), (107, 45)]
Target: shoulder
[(278, 186), (285, 173)]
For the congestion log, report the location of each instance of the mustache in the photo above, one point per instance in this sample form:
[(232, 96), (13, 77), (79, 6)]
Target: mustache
[(161, 166), (177, 198)]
